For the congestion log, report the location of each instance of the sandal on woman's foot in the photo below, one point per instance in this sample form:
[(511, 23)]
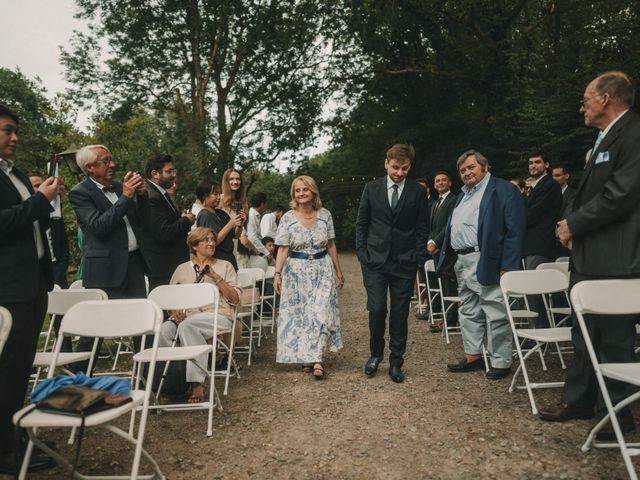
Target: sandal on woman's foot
[(318, 371), (197, 393)]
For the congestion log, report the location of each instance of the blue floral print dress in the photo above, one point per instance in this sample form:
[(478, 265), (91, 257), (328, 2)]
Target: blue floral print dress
[(309, 317)]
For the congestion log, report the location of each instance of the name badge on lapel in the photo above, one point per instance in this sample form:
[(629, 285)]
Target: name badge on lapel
[(602, 157)]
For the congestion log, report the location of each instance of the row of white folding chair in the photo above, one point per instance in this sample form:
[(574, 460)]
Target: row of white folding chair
[(534, 282), (564, 312), (182, 297), (5, 327), (613, 298), (247, 313), (269, 300), (436, 294), (106, 319), (420, 291)]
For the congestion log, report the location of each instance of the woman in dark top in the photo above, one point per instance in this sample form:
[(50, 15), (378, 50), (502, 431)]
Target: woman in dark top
[(218, 220)]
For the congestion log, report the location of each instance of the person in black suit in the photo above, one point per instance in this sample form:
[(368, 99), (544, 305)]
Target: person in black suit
[(440, 212), (391, 237), (25, 278), (561, 175), (165, 236), (111, 215), (544, 205), (602, 230)]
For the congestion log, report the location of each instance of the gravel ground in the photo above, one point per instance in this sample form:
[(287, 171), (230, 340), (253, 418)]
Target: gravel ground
[(279, 423)]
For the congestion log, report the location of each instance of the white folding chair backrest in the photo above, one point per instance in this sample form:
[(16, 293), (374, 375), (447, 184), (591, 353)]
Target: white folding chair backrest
[(256, 273), (76, 285), (245, 279), (562, 259), (180, 297), (5, 327), (60, 301), (609, 297), (533, 282), (429, 266), (271, 271), (562, 267)]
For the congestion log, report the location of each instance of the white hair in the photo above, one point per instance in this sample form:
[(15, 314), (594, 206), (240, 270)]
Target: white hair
[(87, 156)]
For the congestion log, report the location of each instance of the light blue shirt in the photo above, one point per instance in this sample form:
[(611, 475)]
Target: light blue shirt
[(465, 217)]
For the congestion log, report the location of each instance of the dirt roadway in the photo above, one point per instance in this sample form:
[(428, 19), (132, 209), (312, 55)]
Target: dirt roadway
[(279, 423)]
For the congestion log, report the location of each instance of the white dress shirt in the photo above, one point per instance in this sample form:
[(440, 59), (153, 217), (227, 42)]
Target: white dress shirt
[(268, 225), (253, 231), (390, 185)]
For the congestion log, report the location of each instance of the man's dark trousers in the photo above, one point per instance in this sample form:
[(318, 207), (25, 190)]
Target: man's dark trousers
[(400, 288), (17, 359), (614, 342)]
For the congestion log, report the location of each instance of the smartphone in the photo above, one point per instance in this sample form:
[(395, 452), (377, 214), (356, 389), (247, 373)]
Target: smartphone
[(53, 166)]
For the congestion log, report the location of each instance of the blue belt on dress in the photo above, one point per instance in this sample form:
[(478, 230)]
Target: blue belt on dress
[(308, 256)]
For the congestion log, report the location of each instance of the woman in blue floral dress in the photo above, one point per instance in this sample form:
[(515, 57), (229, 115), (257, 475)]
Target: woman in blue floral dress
[(307, 277)]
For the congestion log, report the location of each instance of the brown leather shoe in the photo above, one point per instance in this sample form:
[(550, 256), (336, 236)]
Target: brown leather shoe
[(627, 425), (563, 412)]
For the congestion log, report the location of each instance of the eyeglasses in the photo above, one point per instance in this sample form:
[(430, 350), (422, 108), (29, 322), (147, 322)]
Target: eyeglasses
[(584, 101), (170, 171), (106, 161), (208, 240)]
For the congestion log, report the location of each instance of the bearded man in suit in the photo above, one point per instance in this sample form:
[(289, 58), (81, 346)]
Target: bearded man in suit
[(602, 230), (391, 236), (111, 215)]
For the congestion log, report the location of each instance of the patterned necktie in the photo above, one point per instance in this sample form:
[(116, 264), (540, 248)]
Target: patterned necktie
[(598, 140), (394, 197)]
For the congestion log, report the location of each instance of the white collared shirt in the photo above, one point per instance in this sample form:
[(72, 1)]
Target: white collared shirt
[(6, 166), (132, 242), (535, 182), (466, 216), (604, 132), (390, 185), (253, 231)]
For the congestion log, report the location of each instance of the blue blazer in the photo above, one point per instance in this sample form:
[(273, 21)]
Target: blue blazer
[(501, 231)]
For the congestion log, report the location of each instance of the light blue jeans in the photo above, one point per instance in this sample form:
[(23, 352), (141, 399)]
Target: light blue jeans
[(482, 312)]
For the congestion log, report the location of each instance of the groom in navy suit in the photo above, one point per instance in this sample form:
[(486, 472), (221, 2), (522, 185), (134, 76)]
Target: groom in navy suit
[(484, 236), (391, 242)]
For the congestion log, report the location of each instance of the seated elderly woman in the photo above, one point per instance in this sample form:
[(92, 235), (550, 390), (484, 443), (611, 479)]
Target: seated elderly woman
[(195, 326)]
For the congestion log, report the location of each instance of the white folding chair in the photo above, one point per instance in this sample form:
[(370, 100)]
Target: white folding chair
[(610, 297), (76, 284), (5, 327), (534, 282), (247, 277), (562, 259), (107, 319), (59, 302), (446, 302), (269, 300), (182, 297), (564, 312), (419, 293)]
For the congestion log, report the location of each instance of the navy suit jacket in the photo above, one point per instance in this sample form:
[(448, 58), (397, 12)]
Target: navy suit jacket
[(19, 265), (105, 253), (400, 235), (501, 230)]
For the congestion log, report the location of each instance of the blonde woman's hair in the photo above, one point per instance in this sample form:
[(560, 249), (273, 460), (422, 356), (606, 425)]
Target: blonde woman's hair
[(229, 197), (310, 183), (197, 235)]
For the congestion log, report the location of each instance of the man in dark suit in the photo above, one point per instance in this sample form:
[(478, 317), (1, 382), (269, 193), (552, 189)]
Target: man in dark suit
[(25, 278), (440, 213), (544, 204), (603, 232), (486, 232), (561, 175), (391, 236), (165, 236), (111, 215)]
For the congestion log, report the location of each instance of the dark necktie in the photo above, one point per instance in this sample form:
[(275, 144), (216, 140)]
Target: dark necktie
[(438, 203), (168, 197), (394, 197), (108, 188)]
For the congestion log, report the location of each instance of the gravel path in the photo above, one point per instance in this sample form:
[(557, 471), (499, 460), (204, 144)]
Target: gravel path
[(280, 423)]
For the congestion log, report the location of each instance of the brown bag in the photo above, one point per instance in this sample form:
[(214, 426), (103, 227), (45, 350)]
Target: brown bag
[(74, 400)]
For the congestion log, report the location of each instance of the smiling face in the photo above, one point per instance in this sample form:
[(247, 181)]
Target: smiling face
[(103, 169), (397, 169), (235, 182), (302, 194), (205, 247), (212, 200), (8, 137), (537, 167), (442, 184), (471, 172)]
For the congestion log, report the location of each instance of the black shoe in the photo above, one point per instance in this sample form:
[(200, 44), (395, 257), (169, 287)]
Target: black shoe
[(395, 372), (465, 366), (627, 425), (371, 366), (37, 462), (564, 412), (497, 373)]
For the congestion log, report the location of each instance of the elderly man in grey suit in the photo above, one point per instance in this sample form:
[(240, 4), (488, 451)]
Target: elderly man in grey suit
[(602, 229), (111, 215)]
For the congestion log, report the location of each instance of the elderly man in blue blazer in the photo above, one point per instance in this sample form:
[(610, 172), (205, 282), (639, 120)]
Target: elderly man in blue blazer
[(484, 236)]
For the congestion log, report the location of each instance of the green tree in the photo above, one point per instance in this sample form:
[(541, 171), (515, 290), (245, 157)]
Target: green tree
[(244, 77)]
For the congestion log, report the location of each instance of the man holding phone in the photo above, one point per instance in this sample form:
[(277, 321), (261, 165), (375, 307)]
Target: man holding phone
[(111, 215)]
